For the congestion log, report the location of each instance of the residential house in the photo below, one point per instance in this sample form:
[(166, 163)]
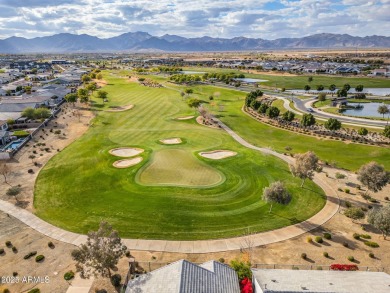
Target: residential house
[(317, 281), (4, 137), (184, 277)]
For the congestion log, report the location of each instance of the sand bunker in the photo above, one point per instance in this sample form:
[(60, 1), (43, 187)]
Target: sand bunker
[(218, 155), (185, 118), (126, 152), (175, 140), (120, 108), (127, 162)]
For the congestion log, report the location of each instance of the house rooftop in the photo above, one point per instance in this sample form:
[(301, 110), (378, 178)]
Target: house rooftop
[(183, 277), (294, 281)]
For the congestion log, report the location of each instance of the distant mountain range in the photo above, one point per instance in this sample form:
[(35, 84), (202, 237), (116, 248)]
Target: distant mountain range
[(141, 41)]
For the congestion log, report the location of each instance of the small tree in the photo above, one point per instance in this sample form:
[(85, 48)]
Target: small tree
[(373, 176), (189, 91), (308, 120), (354, 213), (83, 95), (273, 112), (28, 113), (332, 124), (320, 87), (363, 131), (99, 76), (332, 87), (101, 253), (102, 95), (32, 157), (310, 79), (276, 193), (307, 87), (305, 165), (288, 116), (346, 87), (5, 171), (386, 131), (71, 98), (14, 191), (342, 93), (383, 109), (194, 103), (359, 88), (242, 268), (322, 97), (41, 113), (380, 219)]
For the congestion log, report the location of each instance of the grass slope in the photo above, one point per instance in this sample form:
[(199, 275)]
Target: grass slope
[(79, 187)]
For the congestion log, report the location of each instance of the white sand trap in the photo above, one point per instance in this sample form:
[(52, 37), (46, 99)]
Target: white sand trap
[(126, 152), (127, 162), (218, 155), (175, 140), (120, 108), (185, 118)]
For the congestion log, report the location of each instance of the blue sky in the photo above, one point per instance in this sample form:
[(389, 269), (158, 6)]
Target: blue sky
[(266, 19)]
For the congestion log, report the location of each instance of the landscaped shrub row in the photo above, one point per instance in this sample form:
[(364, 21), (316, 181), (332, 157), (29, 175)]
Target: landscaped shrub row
[(31, 254), (371, 244), (342, 267)]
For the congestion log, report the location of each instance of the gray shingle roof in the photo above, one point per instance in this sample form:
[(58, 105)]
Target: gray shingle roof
[(184, 277)]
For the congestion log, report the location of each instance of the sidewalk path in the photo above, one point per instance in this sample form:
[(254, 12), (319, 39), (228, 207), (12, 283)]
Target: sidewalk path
[(199, 246)]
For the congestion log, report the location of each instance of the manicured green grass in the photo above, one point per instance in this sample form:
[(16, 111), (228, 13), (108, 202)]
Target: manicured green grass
[(298, 82), (320, 104), (349, 156), (79, 187), (279, 104), (177, 167)]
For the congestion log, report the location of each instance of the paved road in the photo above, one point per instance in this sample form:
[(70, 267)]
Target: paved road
[(302, 106), (202, 246)]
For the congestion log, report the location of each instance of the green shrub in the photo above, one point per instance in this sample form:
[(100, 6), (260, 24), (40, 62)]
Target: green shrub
[(116, 280), (8, 244), (347, 204), (356, 236), (39, 258), (221, 260), (6, 290), (1, 251), (371, 244), (14, 249), (243, 269), (325, 254), (309, 239), (371, 255), (347, 190), (303, 255), (50, 244), (351, 258), (35, 290), (365, 236), (339, 189), (69, 275), (31, 254), (340, 176), (327, 236), (20, 133), (128, 254), (319, 239)]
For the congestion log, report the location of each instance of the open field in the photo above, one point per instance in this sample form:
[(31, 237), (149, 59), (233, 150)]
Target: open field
[(298, 82), (343, 155), (166, 211)]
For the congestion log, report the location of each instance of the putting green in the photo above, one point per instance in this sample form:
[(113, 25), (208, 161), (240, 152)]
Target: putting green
[(177, 167), (173, 193)]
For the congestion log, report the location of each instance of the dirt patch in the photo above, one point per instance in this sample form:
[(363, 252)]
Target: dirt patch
[(218, 155), (127, 163), (207, 122), (185, 118), (175, 140), (120, 108), (126, 152), (100, 82)]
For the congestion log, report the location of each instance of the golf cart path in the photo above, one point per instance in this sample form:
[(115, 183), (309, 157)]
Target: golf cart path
[(199, 246)]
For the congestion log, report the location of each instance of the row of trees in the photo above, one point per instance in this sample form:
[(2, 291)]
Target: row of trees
[(38, 113), (346, 87)]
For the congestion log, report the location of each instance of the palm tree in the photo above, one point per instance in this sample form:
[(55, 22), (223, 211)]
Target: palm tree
[(383, 109)]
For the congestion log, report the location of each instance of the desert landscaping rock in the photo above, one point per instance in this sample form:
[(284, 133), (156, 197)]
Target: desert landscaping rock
[(126, 152), (127, 162), (175, 140), (218, 155)]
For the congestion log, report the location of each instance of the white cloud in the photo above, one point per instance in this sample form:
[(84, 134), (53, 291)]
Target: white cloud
[(218, 18)]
